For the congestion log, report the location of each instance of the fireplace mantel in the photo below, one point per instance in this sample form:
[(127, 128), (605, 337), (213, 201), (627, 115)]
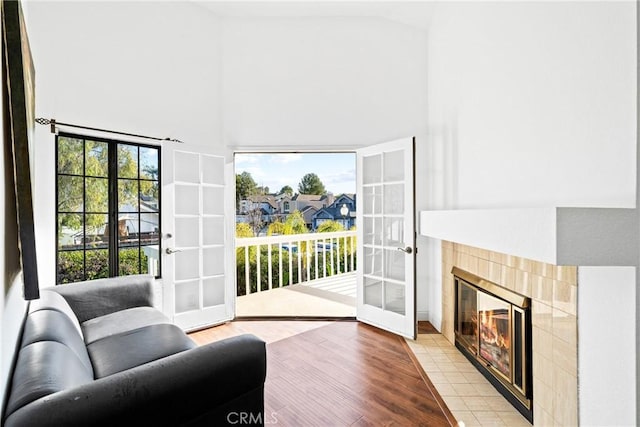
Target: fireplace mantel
[(560, 236)]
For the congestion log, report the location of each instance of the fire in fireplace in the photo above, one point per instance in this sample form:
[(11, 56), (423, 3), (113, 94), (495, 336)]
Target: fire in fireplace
[(493, 329)]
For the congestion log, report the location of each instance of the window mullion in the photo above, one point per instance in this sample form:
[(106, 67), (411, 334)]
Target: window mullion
[(113, 209)]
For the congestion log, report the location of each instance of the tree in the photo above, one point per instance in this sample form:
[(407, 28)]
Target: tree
[(276, 228), (295, 224), (245, 187), (330, 226), (286, 190), (243, 230), (254, 218), (311, 184)]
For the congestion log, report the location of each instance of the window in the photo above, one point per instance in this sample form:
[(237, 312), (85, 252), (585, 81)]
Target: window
[(286, 207), (108, 208)]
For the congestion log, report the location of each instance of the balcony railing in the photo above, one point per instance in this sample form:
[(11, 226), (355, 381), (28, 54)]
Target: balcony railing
[(264, 263)]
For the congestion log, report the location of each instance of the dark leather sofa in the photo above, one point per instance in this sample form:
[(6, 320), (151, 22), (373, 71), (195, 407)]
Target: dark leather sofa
[(98, 353)]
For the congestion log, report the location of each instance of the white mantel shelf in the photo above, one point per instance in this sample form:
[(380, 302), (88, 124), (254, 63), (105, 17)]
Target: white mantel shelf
[(561, 236)]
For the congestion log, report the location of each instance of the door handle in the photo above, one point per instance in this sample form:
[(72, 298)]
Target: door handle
[(170, 251), (406, 250)]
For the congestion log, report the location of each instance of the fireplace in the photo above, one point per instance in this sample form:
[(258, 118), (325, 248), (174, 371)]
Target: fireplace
[(493, 330)]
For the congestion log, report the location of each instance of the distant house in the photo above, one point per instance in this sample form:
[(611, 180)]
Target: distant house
[(307, 213), (342, 210), (266, 203), (318, 201)]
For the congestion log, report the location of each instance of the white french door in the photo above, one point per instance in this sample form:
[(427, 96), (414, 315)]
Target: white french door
[(386, 237), (197, 284)]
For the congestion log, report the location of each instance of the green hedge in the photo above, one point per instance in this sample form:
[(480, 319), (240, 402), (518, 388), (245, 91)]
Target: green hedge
[(71, 264)]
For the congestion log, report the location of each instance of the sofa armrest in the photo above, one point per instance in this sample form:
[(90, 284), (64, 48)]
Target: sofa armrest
[(93, 298), (180, 389)]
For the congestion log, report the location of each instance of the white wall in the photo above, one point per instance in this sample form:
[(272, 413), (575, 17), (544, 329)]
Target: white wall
[(148, 68), (607, 346), (532, 104)]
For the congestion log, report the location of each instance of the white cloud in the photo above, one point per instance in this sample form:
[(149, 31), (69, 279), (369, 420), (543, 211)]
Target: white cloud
[(286, 157), (243, 159)]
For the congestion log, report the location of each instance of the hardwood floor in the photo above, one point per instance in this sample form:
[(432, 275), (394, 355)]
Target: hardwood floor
[(345, 374)]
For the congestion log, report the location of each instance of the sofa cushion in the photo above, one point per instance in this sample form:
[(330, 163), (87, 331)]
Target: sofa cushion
[(43, 368), (51, 300), (121, 321), (52, 325), (117, 353)]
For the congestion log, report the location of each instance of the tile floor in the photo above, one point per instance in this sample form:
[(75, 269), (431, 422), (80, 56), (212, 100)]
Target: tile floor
[(469, 396)]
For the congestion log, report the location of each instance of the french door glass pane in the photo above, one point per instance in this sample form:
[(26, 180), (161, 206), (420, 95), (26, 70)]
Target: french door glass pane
[(186, 167), (213, 291), (393, 166), (394, 199), (394, 264), (149, 163), (187, 264), (373, 292), (372, 169), (187, 232), (70, 193), (187, 200), (394, 297), (187, 296)]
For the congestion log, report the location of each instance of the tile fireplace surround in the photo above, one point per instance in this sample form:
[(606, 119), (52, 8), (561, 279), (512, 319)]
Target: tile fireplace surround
[(553, 291)]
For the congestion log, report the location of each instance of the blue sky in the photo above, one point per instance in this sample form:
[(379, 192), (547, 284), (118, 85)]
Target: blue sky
[(337, 171)]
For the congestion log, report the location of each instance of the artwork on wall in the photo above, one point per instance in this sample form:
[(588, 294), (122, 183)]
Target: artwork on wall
[(18, 133)]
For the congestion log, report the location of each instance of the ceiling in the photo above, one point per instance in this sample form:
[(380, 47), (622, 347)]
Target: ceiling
[(414, 13)]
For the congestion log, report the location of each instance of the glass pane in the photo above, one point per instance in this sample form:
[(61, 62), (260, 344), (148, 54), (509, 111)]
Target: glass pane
[(213, 233), (468, 316), (394, 199), (97, 195), (186, 167), (394, 264), (97, 233), (149, 163), (70, 154), (128, 229), (149, 191), (213, 170), (372, 169), (150, 260), (70, 266), (372, 261), (394, 166), (187, 232), (97, 158), (394, 232), (149, 229), (187, 264), (213, 291), (372, 232), (127, 195), (187, 296), (187, 200), (127, 161), (213, 261), (213, 200), (97, 264), (372, 200), (129, 261), (495, 334), (394, 298), (70, 193), (372, 292), (70, 231)]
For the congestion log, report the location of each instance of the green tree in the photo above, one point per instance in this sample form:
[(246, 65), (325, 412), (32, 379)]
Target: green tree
[(245, 187), (243, 230), (286, 190), (311, 184), (276, 227), (330, 226), (295, 224)]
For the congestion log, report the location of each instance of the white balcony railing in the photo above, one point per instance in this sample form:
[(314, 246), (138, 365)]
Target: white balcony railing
[(277, 261)]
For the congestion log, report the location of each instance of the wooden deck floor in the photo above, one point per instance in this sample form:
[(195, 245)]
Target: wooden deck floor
[(342, 374), (333, 296)]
